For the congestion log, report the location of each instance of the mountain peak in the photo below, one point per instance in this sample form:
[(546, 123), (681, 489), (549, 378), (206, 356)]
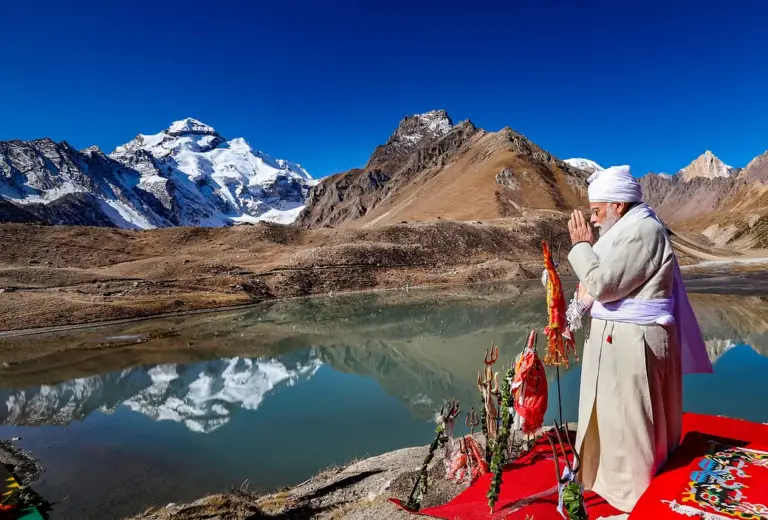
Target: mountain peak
[(92, 149), (707, 165), (190, 126), (585, 165), (412, 129)]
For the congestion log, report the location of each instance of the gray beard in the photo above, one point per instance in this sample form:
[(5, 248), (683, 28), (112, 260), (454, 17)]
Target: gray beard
[(610, 220)]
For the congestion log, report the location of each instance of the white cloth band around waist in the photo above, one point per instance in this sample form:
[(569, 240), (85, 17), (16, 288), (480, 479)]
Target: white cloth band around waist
[(637, 311)]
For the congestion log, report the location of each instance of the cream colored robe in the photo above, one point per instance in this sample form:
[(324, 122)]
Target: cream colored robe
[(630, 407)]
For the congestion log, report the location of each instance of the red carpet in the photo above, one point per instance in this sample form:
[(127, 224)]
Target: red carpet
[(527, 489), (735, 478), (720, 471)]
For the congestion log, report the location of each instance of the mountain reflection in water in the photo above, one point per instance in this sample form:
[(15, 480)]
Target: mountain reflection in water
[(195, 405)]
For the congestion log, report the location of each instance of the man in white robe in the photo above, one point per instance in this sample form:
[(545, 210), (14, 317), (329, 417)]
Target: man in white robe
[(642, 338)]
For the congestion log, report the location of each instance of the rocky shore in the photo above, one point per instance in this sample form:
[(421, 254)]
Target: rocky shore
[(23, 463), (357, 491)]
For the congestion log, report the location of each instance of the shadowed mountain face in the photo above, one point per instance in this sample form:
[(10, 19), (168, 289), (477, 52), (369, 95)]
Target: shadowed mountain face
[(422, 347)]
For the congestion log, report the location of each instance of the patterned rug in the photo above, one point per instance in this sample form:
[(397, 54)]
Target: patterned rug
[(719, 472)]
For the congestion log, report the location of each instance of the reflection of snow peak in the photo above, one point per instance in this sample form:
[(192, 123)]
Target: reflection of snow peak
[(206, 402), (202, 396), (717, 347)]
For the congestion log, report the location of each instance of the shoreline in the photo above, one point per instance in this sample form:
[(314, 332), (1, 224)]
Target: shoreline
[(702, 270), (62, 282), (215, 310)]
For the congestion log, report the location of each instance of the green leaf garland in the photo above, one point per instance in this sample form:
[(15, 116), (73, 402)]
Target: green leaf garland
[(500, 446)]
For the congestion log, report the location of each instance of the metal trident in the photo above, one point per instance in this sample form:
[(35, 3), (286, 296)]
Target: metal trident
[(573, 468), (491, 355), (472, 420)]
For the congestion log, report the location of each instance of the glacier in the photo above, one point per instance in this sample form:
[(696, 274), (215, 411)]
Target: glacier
[(185, 175)]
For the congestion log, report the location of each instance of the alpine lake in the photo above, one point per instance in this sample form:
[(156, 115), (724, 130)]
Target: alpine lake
[(169, 410)]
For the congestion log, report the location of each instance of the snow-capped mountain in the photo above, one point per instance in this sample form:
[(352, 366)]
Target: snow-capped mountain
[(706, 165), (584, 164), (187, 174), (202, 396)]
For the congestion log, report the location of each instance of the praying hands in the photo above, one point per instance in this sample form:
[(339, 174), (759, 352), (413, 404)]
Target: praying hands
[(579, 229)]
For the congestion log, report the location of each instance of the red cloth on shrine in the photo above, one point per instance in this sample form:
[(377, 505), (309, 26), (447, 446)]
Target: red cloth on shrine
[(528, 488), (529, 373), (532, 477)]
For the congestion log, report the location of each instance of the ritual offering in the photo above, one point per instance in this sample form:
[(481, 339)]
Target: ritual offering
[(448, 414), (569, 490), (560, 341), (499, 458), (468, 462), (529, 389)]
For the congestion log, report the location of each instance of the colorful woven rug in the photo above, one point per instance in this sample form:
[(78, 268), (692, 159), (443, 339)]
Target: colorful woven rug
[(719, 472)]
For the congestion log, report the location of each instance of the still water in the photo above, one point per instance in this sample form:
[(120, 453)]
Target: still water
[(169, 410)]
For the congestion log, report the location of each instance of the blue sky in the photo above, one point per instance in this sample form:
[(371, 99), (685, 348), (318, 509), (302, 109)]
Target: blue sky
[(646, 83)]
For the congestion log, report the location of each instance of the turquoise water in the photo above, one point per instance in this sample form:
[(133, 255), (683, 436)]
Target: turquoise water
[(272, 395)]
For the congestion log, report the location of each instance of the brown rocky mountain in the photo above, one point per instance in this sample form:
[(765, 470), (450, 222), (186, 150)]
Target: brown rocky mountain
[(432, 169), (727, 211), (676, 199), (756, 170)]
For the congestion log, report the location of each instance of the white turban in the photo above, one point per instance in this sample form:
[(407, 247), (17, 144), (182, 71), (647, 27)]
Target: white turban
[(614, 184)]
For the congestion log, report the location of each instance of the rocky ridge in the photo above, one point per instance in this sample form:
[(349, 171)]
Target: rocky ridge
[(725, 206), (430, 168), (756, 170)]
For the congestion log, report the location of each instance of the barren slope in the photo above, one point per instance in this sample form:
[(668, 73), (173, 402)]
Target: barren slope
[(495, 175), (51, 275), (727, 212), (458, 172)]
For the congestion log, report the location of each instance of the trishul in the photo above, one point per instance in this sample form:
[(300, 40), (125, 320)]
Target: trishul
[(472, 421), (488, 384), (448, 413), (570, 492)]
